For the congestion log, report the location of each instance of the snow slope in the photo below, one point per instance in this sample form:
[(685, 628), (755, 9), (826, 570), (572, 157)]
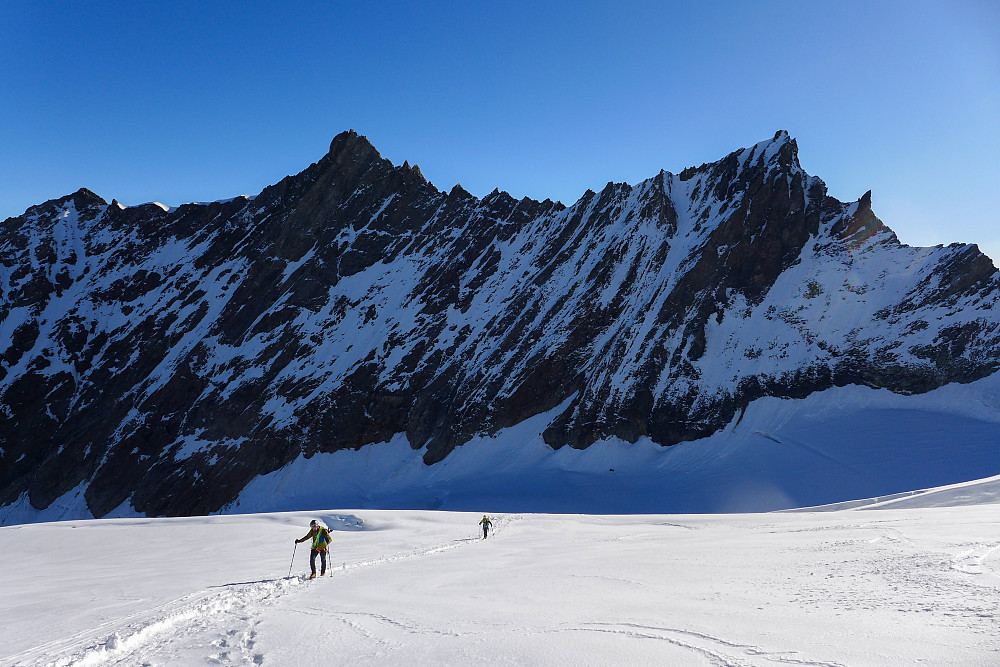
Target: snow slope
[(832, 447), (845, 587), (841, 444)]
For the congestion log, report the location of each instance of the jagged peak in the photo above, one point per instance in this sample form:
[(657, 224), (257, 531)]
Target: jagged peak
[(350, 146), (866, 201), (88, 197), (780, 150), (83, 199), (549, 205), (498, 195), (413, 170)]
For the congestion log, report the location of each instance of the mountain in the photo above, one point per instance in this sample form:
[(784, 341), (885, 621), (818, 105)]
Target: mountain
[(161, 359)]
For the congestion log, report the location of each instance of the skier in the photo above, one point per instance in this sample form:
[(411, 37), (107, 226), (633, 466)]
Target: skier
[(486, 525), (320, 539)]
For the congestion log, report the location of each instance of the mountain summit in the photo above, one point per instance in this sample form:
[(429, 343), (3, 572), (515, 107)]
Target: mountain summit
[(163, 359)]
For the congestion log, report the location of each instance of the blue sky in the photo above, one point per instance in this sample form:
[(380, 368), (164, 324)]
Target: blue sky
[(191, 101)]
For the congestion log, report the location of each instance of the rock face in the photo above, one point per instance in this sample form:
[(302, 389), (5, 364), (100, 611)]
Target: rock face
[(168, 357)]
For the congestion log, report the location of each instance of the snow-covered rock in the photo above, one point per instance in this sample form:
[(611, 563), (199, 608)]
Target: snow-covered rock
[(158, 361)]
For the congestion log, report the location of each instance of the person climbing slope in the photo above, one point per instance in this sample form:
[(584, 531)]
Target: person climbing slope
[(486, 524), (320, 540)]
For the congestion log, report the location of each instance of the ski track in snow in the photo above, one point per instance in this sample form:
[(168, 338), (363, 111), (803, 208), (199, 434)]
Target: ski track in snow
[(716, 650), (868, 569), (151, 631), (221, 621), (228, 612), (977, 560)]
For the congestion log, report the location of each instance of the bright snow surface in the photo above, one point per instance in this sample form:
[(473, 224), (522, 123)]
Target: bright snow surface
[(875, 585)]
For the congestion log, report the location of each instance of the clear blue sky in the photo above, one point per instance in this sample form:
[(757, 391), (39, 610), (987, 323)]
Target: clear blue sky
[(192, 101)]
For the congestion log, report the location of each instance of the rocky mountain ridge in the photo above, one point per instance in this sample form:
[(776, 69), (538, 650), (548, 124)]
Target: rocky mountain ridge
[(165, 358)]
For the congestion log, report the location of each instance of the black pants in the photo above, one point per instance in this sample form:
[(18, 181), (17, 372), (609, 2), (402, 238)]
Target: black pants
[(485, 530), (322, 561)]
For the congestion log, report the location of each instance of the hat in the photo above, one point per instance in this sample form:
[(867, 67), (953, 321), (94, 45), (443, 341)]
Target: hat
[(313, 523)]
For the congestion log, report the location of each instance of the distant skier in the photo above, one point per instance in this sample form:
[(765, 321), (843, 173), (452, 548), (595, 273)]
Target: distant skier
[(486, 524), (320, 540)]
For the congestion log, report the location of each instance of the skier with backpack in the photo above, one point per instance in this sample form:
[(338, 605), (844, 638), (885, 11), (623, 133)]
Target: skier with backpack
[(320, 535), (486, 524)]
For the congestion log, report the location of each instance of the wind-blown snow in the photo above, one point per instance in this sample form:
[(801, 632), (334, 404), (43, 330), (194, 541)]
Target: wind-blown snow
[(845, 587)]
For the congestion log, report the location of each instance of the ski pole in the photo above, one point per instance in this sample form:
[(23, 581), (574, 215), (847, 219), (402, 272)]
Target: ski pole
[(293, 559)]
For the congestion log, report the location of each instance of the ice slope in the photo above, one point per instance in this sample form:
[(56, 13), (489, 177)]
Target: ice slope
[(845, 587)]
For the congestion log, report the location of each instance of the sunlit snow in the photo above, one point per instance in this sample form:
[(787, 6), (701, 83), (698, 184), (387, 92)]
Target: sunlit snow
[(876, 585)]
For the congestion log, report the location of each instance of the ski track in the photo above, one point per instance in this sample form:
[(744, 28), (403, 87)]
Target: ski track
[(36, 654), (217, 625), (717, 650), (230, 612), (976, 561)]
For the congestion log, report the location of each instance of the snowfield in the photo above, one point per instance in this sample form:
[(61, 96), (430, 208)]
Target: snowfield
[(908, 580)]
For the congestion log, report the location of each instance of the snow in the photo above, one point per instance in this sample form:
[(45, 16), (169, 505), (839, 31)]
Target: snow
[(855, 586), (841, 444), (71, 504), (976, 492), (833, 447), (170, 209)]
